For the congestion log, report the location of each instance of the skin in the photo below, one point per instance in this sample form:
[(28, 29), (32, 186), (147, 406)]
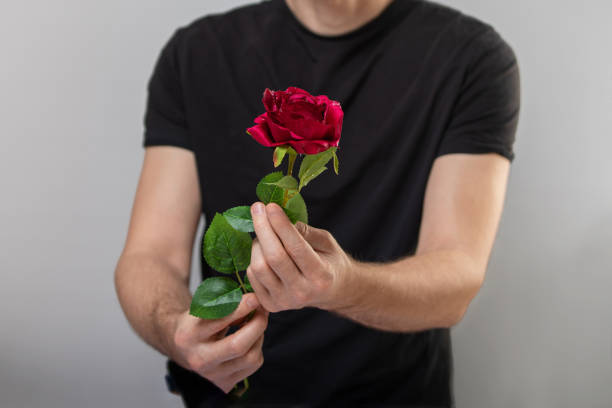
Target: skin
[(298, 266), (152, 277), (335, 17)]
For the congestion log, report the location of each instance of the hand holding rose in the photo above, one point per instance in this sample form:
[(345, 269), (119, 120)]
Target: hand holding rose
[(203, 346), (294, 266)]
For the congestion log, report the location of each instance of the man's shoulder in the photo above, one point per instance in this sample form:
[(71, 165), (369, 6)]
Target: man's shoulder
[(435, 14), (458, 32)]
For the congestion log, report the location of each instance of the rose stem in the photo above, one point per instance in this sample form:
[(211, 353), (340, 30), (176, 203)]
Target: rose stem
[(239, 393), (244, 290), (292, 157), (291, 161)]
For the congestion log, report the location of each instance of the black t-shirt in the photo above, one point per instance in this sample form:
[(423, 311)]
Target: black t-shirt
[(418, 81)]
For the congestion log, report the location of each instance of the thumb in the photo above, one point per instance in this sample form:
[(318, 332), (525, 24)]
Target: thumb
[(319, 239)]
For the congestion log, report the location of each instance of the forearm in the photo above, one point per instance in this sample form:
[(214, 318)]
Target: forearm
[(152, 293), (416, 293)]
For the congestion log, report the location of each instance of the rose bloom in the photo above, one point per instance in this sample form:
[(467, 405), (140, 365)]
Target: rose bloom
[(310, 124)]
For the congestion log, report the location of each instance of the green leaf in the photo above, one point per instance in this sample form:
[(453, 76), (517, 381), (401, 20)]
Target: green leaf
[(270, 193), (314, 164), (296, 209), (335, 162), (240, 218), (287, 183), (279, 154), (226, 250), (215, 298), (311, 176)]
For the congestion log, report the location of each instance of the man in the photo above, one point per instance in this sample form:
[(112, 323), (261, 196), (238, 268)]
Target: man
[(356, 308)]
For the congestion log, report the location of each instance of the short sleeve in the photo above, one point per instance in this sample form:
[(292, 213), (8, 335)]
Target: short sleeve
[(165, 119), (485, 115)]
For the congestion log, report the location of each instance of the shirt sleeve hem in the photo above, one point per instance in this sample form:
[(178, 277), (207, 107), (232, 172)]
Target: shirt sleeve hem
[(476, 150), (166, 142)]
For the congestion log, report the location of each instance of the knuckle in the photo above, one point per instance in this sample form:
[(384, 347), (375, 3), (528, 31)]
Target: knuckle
[(300, 297), (252, 358), (181, 337), (276, 259), (236, 348), (303, 228), (295, 249), (328, 236), (322, 284), (196, 363), (258, 265)]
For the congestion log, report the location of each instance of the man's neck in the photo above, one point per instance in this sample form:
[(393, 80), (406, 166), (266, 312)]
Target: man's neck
[(335, 17)]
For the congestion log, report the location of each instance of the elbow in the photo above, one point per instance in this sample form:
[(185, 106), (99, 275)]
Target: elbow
[(454, 317), (463, 298)]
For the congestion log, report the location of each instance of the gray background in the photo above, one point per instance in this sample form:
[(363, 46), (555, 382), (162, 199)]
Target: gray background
[(72, 92)]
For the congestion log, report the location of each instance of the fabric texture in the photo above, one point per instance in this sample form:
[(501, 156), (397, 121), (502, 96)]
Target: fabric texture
[(418, 81)]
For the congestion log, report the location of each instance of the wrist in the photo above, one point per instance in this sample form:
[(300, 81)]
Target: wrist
[(348, 289), (166, 325)]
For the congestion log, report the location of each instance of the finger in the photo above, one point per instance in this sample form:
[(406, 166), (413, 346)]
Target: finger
[(293, 242), (273, 250), (221, 334), (254, 357), (262, 271), (319, 239), (242, 374), (265, 298), (247, 304), (239, 342)]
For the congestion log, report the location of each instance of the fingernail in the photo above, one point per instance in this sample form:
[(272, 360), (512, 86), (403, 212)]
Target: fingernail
[(258, 208), (274, 208), (252, 301)]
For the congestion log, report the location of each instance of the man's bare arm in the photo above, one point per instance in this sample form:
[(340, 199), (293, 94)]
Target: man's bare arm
[(294, 266), (462, 207), (152, 275)]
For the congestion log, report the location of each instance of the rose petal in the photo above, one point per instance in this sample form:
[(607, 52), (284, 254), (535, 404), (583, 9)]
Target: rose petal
[(278, 132), (305, 109), (334, 117), (261, 134), (296, 90), (283, 120), (310, 124), (322, 100), (268, 99), (295, 136), (311, 129), (261, 118), (282, 117), (309, 146)]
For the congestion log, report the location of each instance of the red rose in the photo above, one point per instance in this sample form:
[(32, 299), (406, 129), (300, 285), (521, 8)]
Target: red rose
[(310, 124)]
